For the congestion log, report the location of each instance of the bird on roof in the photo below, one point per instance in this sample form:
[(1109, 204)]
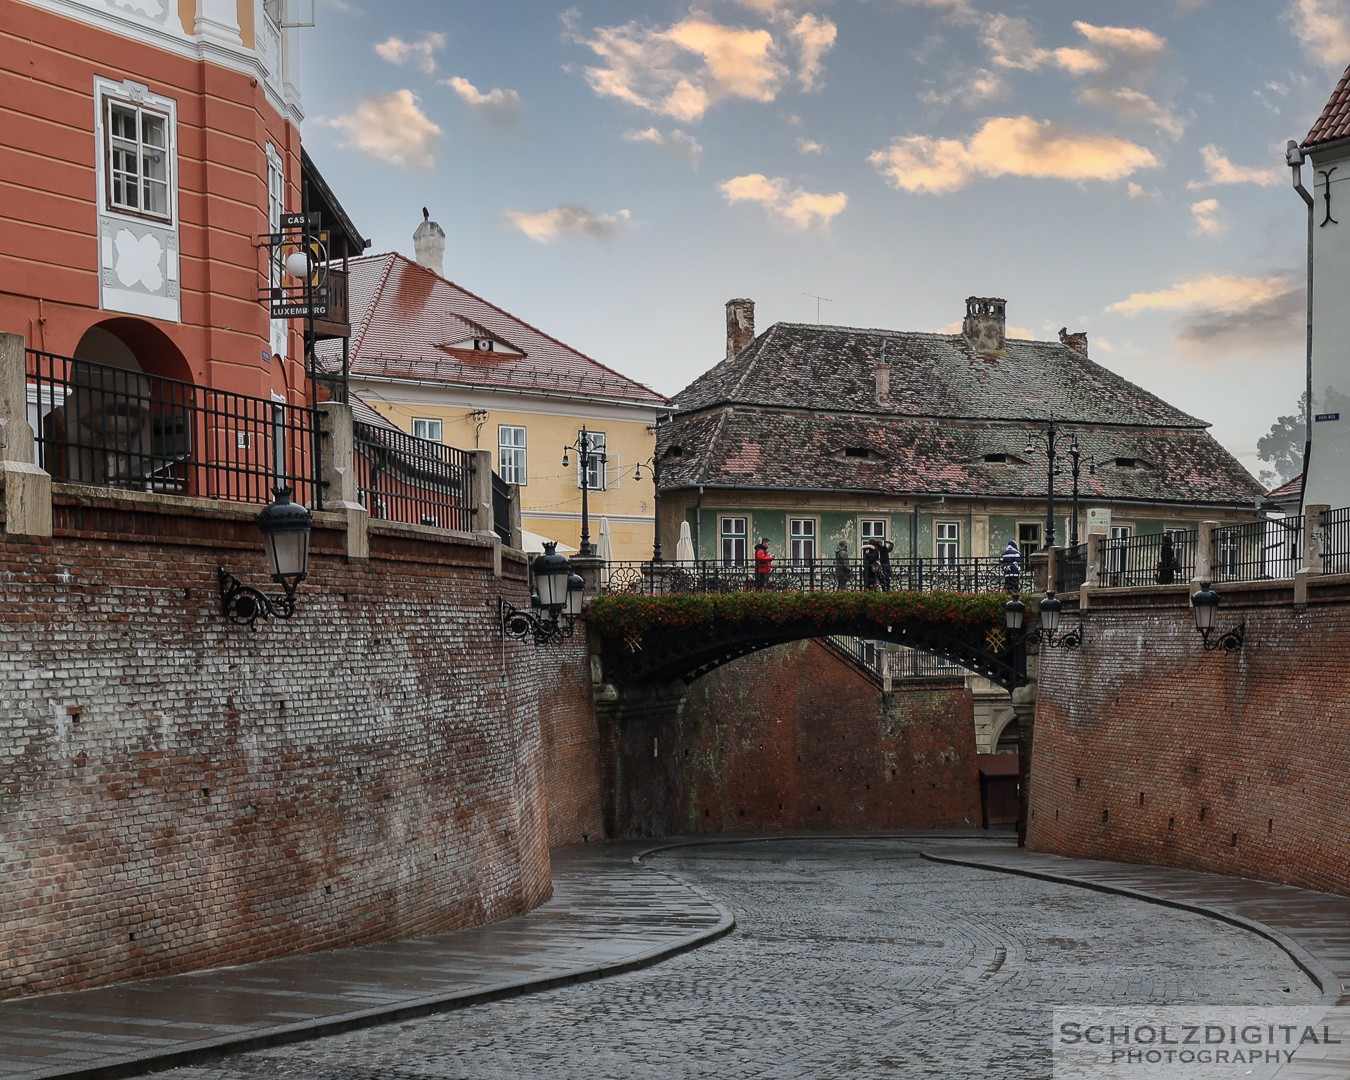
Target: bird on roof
[(426, 214)]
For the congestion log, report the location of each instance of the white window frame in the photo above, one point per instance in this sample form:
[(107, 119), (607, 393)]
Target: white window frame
[(1227, 555), (1120, 552), (731, 537), (596, 473), (431, 428), (115, 147), (947, 542), (802, 535), (278, 424), (512, 457), (870, 529)]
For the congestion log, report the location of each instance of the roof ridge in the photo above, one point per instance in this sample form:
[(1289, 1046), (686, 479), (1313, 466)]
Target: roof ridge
[(359, 338)]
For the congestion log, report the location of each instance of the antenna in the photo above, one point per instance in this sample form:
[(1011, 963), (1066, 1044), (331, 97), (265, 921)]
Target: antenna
[(818, 299)]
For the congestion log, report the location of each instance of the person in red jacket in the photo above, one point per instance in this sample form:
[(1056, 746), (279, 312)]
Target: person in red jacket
[(763, 563)]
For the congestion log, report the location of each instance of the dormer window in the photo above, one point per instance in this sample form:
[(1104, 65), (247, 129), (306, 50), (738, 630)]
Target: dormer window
[(1127, 463), (857, 452), (996, 459)]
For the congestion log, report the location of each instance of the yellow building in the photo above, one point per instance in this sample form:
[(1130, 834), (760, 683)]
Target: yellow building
[(443, 364)]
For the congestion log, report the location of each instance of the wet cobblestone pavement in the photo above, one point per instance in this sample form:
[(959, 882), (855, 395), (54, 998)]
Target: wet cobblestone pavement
[(851, 958)]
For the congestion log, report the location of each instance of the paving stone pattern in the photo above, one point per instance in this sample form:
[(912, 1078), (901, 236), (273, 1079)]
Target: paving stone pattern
[(851, 958)]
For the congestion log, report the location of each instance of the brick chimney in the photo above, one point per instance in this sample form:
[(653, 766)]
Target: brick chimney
[(882, 370), (1076, 342), (984, 321), (429, 244), (740, 325)]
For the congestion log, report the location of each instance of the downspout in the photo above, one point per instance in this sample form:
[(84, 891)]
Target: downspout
[(1294, 156), (698, 525)]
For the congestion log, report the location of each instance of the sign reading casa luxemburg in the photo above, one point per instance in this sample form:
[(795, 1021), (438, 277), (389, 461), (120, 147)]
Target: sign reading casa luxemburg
[(297, 268)]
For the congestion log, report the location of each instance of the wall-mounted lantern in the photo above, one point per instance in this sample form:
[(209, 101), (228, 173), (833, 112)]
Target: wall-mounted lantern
[(1205, 605), (557, 599), (285, 527), (1048, 633)]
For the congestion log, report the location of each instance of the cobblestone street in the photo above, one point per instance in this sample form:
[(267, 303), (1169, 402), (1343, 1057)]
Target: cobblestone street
[(851, 958)]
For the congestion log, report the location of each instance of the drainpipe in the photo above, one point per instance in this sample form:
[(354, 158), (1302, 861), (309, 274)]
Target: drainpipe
[(1294, 156), (698, 525)]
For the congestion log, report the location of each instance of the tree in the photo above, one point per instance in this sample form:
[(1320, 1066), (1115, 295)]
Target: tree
[(1283, 445)]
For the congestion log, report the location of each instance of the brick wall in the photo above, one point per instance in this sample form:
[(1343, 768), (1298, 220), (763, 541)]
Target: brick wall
[(1148, 749), (177, 792), (795, 738)]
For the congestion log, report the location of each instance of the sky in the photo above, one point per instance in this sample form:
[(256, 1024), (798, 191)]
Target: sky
[(613, 171)]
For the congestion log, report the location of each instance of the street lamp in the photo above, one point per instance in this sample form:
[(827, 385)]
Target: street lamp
[(557, 598), (1075, 464), (1205, 606), (588, 449), (654, 467), (1048, 633), (1048, 437), (285, 527)]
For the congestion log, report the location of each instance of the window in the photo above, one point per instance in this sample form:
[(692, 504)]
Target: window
[(1119, 558), (426, 429), (138, 151), (1229, 548), (947, 541), (511, 453), (802, 539), (871, 529), (1029, 536), (595, 463), (279, 470), (734, 531)]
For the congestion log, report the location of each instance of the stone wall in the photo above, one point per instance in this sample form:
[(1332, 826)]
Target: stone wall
[(180, 793), (794, 738), (1148, 749)]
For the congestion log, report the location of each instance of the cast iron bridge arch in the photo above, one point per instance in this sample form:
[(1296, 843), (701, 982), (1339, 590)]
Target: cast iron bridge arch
[(665, 654)]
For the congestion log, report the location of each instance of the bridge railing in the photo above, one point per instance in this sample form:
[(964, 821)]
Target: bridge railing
[(1336, 541), (977, 575), (1138, 560)]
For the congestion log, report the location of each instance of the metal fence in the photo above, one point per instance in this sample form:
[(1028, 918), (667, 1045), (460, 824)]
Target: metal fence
[(1336, 541), (900, 663), (1071, 569), (1145, 560), (818, 575), (122, 428), (501, 508), (403, 478)]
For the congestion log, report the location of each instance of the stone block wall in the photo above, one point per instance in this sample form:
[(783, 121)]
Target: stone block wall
[(1148, 749), (178, 793)]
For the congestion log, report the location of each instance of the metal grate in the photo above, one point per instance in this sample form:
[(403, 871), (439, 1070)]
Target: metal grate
[(418, 481), (123, 428), (1138, 560), (1336, 541)]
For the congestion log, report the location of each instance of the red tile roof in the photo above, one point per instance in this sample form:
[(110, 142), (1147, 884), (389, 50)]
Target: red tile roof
[(1334, 123), (404, 318)]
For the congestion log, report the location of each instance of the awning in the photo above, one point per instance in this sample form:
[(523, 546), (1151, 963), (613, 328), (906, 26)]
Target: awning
[(532, 543)]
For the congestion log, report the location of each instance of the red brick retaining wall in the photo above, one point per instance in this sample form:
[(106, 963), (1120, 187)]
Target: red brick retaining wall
[(177, 792), (1148, 749)]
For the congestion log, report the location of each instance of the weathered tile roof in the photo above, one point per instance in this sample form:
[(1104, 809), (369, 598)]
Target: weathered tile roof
[(1334, 123), (798, 410), (404, 318)]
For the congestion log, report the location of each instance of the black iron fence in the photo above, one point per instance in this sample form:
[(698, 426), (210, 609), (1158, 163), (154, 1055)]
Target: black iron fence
[(899, 663), (1071, 569), (121, 428), (403, 478), (818, 575), (501, 508), (1152, 559)]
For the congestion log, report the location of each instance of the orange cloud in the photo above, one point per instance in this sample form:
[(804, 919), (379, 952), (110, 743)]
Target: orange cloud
[(795, 207), (545, 226), (392, 129)]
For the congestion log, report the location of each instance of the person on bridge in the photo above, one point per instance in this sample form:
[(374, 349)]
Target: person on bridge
[(872, 564), (1168, 563), (1011, 561), (884, 549), (843, 569), (763, 563)]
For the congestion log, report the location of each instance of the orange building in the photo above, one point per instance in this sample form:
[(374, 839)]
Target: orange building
[(150, 146)]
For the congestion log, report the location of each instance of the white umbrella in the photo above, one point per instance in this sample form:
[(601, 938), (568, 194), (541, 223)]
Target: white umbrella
[(533, 544), (603, 551), (684, 546)]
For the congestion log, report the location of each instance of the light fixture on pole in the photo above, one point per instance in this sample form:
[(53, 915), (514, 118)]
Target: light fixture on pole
[(1048, 632), (1048, 437), (588, 449), (1074, 454), (556, 601), (285, 526), (1205, 606)]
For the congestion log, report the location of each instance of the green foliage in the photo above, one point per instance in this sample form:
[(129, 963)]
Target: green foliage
[(631, 616)]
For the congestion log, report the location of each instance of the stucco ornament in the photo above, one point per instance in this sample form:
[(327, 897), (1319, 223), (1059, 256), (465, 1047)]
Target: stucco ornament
[(152, 8), (138, 260)]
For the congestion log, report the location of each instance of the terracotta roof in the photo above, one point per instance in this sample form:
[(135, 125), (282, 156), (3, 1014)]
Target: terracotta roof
[(1334, 123), (798, 410), (1289, 491), (405, 318)]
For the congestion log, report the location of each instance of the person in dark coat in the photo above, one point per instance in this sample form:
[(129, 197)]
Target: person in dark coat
[(1011, 561), (1168, 563), (884, 549), (872, 565), (843, 569)]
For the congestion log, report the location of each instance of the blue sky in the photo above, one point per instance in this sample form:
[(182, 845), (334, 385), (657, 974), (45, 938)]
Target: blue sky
[(613, 171)]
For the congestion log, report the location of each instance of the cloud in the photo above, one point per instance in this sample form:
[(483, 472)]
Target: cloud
[(392, 129), (1223, 314), (1012, 44), (1129, 41), (815, 37), (1322, 27), (1138, 191), (1133, 105), (1008, 146), (1219, 170), (546, 226), (417, 53), (500, 108), (959, 11), (1205, 215), (793, 206), (683, 145), (683, 70), (967, 88), (809, 146)]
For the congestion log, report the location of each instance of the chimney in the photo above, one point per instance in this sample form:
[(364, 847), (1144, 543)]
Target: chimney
[(882, 371), (429, 244), (1076, 342), (740, 325), (983, 324)]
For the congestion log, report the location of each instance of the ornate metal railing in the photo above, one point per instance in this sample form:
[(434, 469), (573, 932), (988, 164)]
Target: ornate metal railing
[(899, 663), (404, 478), (819, 575), (122, 428)]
